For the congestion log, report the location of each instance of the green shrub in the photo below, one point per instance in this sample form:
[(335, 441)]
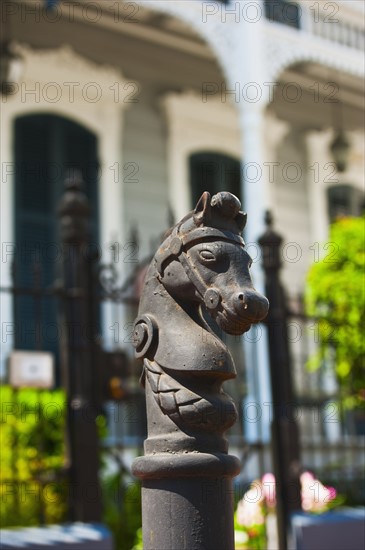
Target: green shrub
[(335, 296), (32, 457), (33, 484)]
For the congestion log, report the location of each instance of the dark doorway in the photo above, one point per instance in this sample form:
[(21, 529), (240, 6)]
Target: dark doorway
[(214, 172), (47, 149)]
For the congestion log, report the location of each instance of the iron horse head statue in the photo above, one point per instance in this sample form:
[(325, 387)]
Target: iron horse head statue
[(201, 269)]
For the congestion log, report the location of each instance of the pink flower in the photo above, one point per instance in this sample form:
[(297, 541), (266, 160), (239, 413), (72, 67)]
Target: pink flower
[(249, 510), (268, 486), (315, 496), (249, 513)]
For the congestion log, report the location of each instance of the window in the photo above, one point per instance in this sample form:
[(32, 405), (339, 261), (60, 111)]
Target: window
[(213, 172), (283, 12), (46, 148), (344, 200)]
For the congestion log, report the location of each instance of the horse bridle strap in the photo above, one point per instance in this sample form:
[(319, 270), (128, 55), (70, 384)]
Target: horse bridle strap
[(210, 295), (176, 249)]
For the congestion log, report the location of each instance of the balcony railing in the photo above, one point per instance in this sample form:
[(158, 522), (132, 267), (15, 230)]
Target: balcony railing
[(324, 21), (337, 30)]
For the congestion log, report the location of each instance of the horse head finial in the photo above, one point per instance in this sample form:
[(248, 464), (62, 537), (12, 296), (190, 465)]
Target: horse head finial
[(200, 273), (214, 218), (197, 283), (222, 209), (198, 250)]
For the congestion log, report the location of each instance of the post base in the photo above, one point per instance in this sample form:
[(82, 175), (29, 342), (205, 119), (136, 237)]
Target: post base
[(187, 500)]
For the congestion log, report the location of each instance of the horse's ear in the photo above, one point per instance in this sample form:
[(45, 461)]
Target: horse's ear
[(241, 220), (202, 212)]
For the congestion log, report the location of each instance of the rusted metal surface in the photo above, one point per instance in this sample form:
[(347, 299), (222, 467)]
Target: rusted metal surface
[(200, 270)]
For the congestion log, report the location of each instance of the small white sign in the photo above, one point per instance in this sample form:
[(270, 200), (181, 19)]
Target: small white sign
[(31, 369)]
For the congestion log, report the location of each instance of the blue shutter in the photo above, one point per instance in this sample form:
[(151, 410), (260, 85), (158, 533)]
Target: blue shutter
[(214, 172), (46, 147)]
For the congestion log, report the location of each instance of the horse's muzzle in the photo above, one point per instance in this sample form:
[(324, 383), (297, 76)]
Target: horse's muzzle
[(251, 305)]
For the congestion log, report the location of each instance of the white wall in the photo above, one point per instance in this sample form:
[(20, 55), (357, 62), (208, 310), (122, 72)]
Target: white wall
[(60, 82), (145, 171)]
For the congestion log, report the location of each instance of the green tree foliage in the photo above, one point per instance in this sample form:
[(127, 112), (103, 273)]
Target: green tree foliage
[(32, 486), (336, 298)]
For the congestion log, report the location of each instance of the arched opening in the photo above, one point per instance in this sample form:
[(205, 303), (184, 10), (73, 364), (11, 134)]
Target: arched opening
[(47, 148), (213, 172)]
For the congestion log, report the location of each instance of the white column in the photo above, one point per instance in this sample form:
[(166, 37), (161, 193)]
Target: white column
[(111, 181), (274, 132), (250, 73), (321, 173), (7, 237), (111, 214), (255, 202), (256, 191)]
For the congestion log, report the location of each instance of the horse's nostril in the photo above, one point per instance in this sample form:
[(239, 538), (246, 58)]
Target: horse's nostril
[(252, 303), (241, 298)]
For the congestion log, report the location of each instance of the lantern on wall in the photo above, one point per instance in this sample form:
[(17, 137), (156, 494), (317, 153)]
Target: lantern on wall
[(10, 68), (340, 149), (340, 145)]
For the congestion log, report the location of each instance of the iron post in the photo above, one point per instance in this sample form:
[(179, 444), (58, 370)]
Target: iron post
[(79, 365), (284, 429), (186, 473)]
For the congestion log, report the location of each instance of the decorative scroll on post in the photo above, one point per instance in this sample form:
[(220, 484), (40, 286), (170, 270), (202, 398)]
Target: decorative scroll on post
[(200, 270)]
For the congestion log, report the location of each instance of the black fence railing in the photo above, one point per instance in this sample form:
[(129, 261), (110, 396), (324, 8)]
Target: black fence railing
[(60, 315)]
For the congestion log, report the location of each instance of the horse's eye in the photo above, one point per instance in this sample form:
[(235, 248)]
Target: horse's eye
[(207, 255)]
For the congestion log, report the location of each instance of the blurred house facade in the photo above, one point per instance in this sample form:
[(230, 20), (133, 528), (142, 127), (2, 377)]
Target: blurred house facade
[(157, 100)]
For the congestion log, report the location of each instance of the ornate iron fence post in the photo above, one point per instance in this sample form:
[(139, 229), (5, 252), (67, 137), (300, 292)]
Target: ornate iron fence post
[(285, 435), (201, 270), (79, 365)]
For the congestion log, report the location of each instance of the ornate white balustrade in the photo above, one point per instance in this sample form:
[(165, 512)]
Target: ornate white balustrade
[(330, 33), (335, 21), (338, 22)]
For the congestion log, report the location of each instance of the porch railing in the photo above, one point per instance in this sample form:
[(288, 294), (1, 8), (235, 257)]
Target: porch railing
[(330, 21)]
